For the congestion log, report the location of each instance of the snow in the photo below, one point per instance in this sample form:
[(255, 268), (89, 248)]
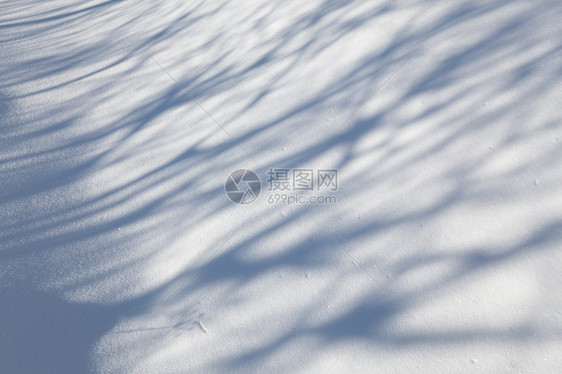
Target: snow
[(120, 122)]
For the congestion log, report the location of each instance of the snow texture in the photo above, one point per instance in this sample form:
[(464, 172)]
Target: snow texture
[(120, 122)]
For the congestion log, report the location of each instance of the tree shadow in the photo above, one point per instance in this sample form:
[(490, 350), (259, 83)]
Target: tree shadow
[(117, 136), (43, 334)]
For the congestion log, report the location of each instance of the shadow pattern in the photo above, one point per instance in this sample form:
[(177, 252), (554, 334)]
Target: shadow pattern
[(119, 251)]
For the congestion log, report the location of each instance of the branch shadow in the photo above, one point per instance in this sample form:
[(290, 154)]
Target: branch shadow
[(112, 176)]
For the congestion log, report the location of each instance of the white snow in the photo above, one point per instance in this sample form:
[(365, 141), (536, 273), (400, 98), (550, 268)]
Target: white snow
[(120, 122)]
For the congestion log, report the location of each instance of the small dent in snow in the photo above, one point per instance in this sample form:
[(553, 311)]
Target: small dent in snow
[(200, 325)]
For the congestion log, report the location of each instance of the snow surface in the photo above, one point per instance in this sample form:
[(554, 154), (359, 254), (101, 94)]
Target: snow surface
[(121, 120)]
